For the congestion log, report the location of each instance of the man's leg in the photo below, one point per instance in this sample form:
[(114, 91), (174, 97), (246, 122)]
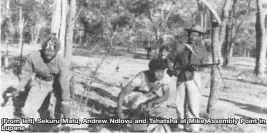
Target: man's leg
[(180, 102), (36, 96), (193, 92)]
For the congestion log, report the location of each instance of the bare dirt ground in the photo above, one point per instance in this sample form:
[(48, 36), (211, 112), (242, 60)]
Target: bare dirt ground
[(242, 97)]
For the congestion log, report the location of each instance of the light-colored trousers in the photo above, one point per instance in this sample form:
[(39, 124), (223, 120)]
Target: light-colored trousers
[(37, 94), (187, 100)]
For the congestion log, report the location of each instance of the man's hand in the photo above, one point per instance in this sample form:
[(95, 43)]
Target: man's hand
[(17, 92), (155, 86), (143, 107), (150, 105), (120, 113)]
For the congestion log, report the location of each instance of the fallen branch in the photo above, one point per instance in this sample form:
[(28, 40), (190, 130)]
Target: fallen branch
[(94, 80), (93, 77)]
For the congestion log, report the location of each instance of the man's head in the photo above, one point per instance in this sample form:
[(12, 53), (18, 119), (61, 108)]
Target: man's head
[(163, 52), (157, 67), (50, 47), (195, 37), (194, 34)]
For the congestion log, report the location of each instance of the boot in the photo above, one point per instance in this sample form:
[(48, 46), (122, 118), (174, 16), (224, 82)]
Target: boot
[(66, 110)]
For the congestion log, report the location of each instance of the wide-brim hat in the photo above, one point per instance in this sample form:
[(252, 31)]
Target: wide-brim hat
[(51, 43), (196, 28)]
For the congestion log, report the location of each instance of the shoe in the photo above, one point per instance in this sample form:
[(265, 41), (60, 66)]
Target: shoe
[(179, 130)]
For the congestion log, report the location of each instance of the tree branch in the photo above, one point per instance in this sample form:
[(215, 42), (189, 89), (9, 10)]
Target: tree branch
[(78, 14), (240, 24), (212, 10)]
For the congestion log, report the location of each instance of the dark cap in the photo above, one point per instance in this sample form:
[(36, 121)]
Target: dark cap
[(52, 43), (157, 64)]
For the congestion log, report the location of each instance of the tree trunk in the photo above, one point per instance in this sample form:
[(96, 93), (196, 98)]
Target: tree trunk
[(80, 37), (58, 25), (56, 19), (21, 25), (225, 19), (260, 41), (203, 15), (225, 44), (215, 75), (5, 4), (6, 59), (111, 41), (230, 36), (231, 51), (63, 24), (70, 30), (245, 52), (248, 54), (4, 13), (223, 34)]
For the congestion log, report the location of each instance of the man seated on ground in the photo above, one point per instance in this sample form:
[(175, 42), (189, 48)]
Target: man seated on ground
[(145, 92)]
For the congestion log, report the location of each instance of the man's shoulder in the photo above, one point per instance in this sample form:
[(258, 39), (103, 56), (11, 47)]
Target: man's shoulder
[(34, 55), (140, 74), (60, 59)]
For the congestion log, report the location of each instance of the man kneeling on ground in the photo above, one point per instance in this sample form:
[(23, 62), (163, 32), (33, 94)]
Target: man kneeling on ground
[(145, 93)]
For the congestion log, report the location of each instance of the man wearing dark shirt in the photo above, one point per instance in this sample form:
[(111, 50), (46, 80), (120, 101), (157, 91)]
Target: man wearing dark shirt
[(188, 79)]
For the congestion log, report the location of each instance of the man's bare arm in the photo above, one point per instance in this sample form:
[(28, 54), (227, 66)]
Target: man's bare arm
[(136, 82), (163, 98), (25, 73)]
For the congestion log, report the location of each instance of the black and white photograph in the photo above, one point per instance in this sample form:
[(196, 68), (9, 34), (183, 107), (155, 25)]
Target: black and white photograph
[(133, 66)]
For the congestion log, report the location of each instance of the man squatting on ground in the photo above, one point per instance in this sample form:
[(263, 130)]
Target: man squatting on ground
[(49, 69), (146, 91)]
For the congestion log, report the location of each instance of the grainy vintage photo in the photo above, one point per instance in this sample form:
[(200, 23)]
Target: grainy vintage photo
[(133, 66)]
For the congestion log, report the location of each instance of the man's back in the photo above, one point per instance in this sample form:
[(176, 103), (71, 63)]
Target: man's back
[(146, 88)]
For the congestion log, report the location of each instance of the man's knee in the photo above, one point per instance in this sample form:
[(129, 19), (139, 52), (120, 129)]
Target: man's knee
[(30, 111)]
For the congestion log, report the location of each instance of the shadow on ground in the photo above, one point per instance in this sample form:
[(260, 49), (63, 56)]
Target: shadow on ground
[(245, 106), (244, 116), (247, 81)]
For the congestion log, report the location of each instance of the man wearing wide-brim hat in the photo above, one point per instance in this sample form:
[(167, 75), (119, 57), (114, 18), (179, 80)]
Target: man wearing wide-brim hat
[(188, 78)]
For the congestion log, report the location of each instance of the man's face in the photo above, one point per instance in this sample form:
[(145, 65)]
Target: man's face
[(158, 74), (49, 54), (164, 54), (194, 37)]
